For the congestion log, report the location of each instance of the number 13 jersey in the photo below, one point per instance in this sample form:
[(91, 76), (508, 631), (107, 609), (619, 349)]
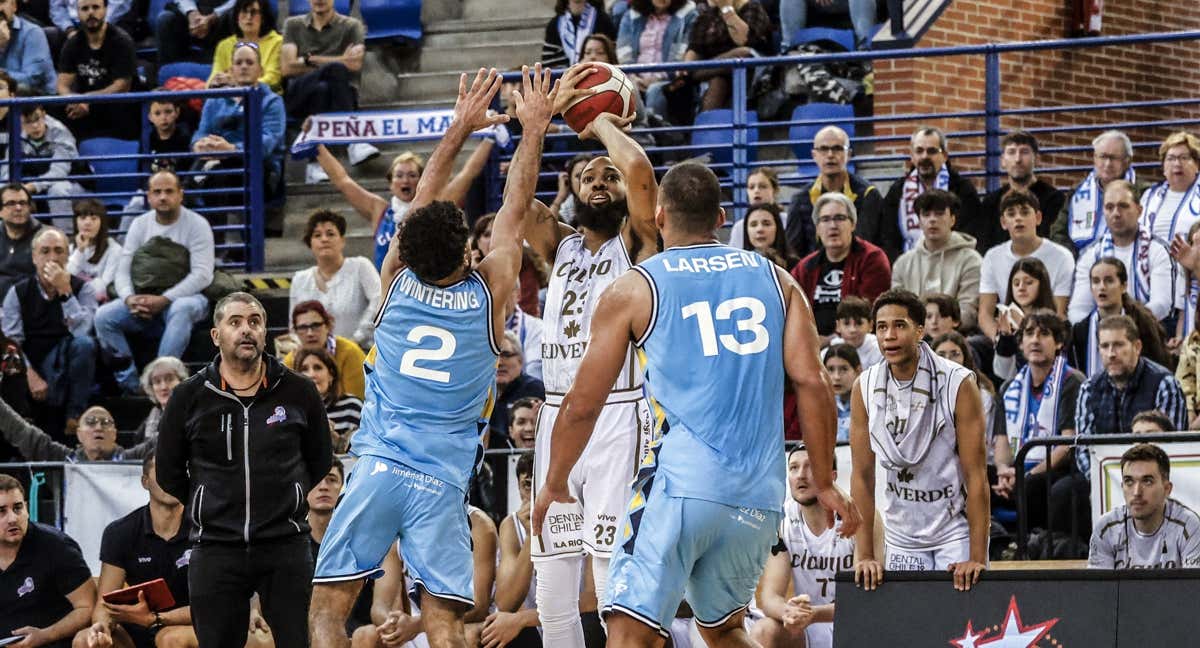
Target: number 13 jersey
[(430, 376), (578, 279)]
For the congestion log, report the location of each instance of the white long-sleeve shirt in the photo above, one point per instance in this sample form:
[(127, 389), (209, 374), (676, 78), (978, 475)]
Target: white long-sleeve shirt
[(1166, 291), (351, 295), (99, 274), (189, 230)]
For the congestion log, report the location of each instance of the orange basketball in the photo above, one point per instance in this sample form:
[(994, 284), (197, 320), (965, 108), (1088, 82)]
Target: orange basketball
[(614, 94)]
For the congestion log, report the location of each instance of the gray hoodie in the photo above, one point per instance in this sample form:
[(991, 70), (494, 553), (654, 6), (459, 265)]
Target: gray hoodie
[(953, 270)]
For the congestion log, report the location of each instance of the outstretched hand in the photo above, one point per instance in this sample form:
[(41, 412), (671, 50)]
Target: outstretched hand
[(568, 94), (471, 107), (1185, 253), (534, 102), (622, 123)]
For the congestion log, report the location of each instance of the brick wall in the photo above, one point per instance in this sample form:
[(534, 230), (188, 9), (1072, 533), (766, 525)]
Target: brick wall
[(1047, 78)]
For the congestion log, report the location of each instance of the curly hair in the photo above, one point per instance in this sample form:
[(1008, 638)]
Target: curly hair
[(432, 240), (320, 216)]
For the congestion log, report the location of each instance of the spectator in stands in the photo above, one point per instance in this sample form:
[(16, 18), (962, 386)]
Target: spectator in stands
[(223, 126), (97, 435), (725, 29), (854, 328), (255, 24), (515, 621), (599, 48), (1028, 290), (1039, 401), (50, 315), (762, 187), (512, 384), (149, 543), (94, 254), (534, 273), (343, 410), (843, 365), (45, 138), (942, 314), (185, 24), (522, 427), (46, 590), (1081, 220), (1188, 374), (322, 57), (1172, 206), (793, 16), (24, 52), (99, 59), (567, 31), (1150, 530), (762, 230), (831, 153), (1151, 422), (322, 499), (8, 90), (1109, 282), (255, 537), (158, 380), (528, 330), (1018, 159), (169, 135), (126, 14), (1148, 260), (178, 308), (314, 326), (347, 286), (953, 346), (943, 260), (845, 265), (657, 31), (16, 237), (1020, 216), (899, 225)]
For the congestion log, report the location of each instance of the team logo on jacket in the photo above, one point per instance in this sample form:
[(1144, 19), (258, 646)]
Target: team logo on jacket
[(279, 416), (25, 587), (184, 560)]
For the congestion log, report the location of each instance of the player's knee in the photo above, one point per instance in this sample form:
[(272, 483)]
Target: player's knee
[(724, 634), (365, 637), (80, 640), (176, 637)]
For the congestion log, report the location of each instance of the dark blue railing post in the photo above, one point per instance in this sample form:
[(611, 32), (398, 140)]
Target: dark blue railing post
[(14, 143), (255, 249), (991, 102), (740, 157)]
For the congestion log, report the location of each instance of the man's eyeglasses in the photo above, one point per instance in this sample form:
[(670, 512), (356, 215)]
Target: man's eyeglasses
[(1108, 157), (9, 204), (1172, 158), (99, 421), (830, 150), (921, 150), (308, 328), (833, 218)]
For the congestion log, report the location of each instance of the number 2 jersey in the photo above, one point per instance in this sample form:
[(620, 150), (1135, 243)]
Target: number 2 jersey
[(714, 349), (429, 377)]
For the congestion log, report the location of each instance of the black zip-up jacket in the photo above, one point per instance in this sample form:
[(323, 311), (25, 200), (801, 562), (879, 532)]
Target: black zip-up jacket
[(244, 471)]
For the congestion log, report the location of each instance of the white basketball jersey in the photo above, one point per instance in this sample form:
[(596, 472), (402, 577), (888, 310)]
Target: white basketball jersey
[(578, 279), (530, 601), (815, 559), (924, 506)]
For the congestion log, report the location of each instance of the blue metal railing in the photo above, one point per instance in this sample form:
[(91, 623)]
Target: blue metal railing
[(247, 198), (992, 115)]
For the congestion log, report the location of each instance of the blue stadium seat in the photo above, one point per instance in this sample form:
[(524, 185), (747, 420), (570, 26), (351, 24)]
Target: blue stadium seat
[(392, 18), (301, 7), (842, 37), (184, 69), (100, 147), (830, 115), (720, 140)]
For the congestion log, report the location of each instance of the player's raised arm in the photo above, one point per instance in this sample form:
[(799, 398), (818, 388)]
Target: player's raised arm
[(969, 426), (534, 107), (624, 309), (814, 397), (642, 188)]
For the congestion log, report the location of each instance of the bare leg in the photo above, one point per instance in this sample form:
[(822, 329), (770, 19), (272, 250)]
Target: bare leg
[(331, 603), (770, 634), (443, 621), (626, 632), (730, 635), (365, 637), (177, 637)]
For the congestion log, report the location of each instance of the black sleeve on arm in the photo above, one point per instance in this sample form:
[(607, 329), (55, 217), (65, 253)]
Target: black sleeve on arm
[(124, 58), (171, 457), (316, 444), (1068, 398), (66, 58), (70, 569)]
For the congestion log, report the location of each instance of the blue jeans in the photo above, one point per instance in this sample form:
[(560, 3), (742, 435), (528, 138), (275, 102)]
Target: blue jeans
[(793, 15), (173, 326), (69, 371)]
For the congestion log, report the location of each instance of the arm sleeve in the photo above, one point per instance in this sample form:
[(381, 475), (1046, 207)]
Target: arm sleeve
[(317, 446), (80, 310), (968, 290), (369, 283), (1190, 553), (108, 267), (625, 54), (1185, 373), (1100, 550), (171, 457), (273, 123), (70, 569), (879, 275), (202, 252), (1068, 402), (36, 67), (1170, 401), (32, 443), (223, 57), (112, 548), (206, 126), (1060, 229), (63, 151), (125, 66), (10, 319), (1083, 411), (1082, 302), (66, 58), (1063, 274), (133, 239), (1162, 283), (272, 66), (888, 232)]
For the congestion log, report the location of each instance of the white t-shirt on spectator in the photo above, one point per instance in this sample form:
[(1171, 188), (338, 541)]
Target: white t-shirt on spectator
[(351, 295), (1166, 213), (998, 263), (868, 352), (1165, 291)]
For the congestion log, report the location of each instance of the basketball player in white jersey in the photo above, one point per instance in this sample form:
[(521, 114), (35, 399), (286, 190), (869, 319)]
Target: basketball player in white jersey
[(616, 231), (809, 554), (921, 417)]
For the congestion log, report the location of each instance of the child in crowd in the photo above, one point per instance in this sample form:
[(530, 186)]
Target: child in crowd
[(942, 315), (853, 328), (843, 365)]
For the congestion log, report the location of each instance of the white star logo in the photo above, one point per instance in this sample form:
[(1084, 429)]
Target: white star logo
[(1014, 635), (968, 639)]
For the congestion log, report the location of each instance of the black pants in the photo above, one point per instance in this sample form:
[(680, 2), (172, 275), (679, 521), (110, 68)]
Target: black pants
[(222, 578), (326, 89)]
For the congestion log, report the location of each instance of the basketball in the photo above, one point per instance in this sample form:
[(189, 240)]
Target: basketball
[(614, 94)]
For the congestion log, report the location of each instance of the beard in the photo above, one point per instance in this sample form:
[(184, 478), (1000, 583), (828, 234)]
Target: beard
[(605, 220)]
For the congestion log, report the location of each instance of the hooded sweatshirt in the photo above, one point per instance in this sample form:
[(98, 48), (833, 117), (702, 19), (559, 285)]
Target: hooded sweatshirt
[(953, 270)]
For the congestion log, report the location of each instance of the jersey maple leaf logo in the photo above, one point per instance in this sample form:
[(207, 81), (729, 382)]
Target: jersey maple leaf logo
[(904, 476), (571, 329)]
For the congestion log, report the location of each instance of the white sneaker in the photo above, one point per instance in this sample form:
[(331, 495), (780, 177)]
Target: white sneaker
[(314, 174), (361, 152)]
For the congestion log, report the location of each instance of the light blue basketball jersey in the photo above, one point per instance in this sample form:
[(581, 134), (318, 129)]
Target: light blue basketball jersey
[(429, 377), (714, 351)]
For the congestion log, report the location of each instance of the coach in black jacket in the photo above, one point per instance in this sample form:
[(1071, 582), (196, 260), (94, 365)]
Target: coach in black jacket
[(241, 442)]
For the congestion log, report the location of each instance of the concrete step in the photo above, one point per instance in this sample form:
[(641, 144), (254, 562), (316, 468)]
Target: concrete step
[(460, 33), (428, 87), (496, 9), (503, 55)]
